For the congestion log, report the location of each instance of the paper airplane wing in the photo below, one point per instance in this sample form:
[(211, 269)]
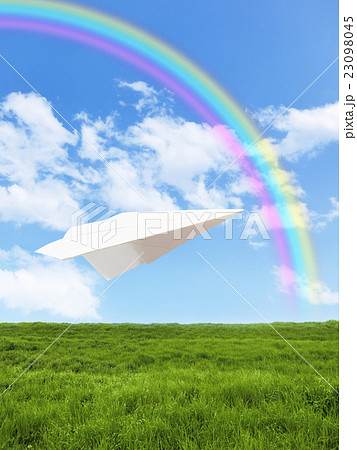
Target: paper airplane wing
[(125, 241)]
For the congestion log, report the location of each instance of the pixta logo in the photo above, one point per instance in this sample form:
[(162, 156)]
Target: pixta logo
[(253, 226), (92, 225)]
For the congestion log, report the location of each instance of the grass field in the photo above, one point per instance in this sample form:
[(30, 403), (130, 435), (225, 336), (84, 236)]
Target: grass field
[(169, 387)]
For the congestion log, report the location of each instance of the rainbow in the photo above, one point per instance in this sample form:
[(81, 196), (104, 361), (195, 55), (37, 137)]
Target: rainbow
[(126, 41)]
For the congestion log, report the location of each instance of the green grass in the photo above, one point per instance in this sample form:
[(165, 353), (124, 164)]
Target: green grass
[(169, 387)]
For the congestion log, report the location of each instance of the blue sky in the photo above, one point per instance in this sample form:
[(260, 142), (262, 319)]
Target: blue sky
[(264, 55)]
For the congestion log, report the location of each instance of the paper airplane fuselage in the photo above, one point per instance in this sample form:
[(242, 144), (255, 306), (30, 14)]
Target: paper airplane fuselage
[(124, 241)]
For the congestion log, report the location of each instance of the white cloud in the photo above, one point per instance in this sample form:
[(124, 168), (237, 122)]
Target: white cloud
[(300, 132), (149, 100), (34, 283), (160, 157), (34, 163), (92, 142), (214, 197), (256, 245), (157, 156), (96, 136), (183, 149), (31, 138), (321, 220), (138, 86), (49, 202), (183, 155), (321, 293), (47, 173), (316, 292), (139, 179), (167, 161), (304, 131)]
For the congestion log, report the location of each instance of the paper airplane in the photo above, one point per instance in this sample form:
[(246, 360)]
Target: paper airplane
[(124, 241)]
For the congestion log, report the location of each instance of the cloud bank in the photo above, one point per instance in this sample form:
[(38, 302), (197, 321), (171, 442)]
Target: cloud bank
[(34, 283), (301, 132), (159, 162)]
